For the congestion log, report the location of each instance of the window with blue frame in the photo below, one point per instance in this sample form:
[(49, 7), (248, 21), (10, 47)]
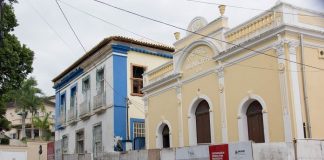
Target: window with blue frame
[(139, 129), (138, 133)]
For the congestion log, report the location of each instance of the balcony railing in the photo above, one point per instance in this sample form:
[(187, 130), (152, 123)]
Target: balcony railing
[(63, 118), (253, 28), (158, 73), (84, 109), (72, 115), (99, 100)]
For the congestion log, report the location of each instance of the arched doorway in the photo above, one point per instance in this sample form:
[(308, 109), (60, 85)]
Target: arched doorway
[(255, 122), (166, 137), (203, 122)]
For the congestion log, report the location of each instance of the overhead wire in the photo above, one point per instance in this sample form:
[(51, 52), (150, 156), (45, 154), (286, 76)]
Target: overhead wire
[(126, 98), (107, 22), (67, 20), (48, 24), (132, 101), (255, 9), (180, 28)]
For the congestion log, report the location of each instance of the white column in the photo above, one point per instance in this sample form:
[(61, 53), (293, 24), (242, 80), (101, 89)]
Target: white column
[(147, 130), (180, 115), (222, 102), (295, 89), (279, 47)]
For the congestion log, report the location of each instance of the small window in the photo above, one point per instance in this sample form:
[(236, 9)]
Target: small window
[(86, 84), (86, 88), (80, 141), (97, 140), (73, 98), (139, 129), (100, 80), (137, 80), (63, 108), (65, 142)]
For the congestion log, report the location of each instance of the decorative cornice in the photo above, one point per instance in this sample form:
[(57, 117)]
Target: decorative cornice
[(125, 48), (68, 78), (161, 82), (110, 40)]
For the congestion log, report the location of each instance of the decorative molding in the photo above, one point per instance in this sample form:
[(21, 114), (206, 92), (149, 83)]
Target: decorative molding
[(192, 119), (196, 24), (68, 78), (284, 88), (242, 119), (220, 71), (123, 49), (292, 47)]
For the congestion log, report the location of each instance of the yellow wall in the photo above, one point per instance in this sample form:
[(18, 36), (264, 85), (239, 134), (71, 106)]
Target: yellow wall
[(206, 86), (242, 80), (136, 108), (163, 107), (315, 87), (257, 75)]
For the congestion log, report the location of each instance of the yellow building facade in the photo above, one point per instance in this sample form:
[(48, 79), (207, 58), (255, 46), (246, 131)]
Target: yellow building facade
[(259, 81)]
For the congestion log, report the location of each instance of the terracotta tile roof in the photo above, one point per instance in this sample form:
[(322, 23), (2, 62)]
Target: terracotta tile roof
[(106, 41)]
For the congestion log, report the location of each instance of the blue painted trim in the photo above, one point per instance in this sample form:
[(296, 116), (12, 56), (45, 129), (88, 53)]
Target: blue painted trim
[(68, 78), (124, 49), (63, 94), (132, 121), (57, 110), (120, 48), (120, 94)]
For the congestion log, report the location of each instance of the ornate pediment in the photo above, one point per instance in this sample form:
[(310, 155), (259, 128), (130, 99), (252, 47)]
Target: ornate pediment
[(196, 24), (197, 59)]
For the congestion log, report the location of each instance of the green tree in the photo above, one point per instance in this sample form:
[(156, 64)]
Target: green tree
[(43, 125), (15, 59), (28, 99)]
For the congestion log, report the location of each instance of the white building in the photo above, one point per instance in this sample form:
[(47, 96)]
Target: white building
[(92, 96), (16, 120)]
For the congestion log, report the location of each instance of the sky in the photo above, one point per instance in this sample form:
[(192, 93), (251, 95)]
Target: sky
[(43, 28)]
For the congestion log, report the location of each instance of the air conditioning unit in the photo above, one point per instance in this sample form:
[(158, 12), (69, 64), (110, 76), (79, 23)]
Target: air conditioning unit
[(321, 53)]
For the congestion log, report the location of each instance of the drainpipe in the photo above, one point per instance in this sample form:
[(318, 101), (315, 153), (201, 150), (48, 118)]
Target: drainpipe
[(308, 125)]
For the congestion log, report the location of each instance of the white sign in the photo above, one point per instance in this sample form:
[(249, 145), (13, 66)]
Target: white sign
[(240, 151)]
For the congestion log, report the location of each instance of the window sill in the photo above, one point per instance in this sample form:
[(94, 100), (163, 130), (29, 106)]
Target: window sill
[(137, 94)]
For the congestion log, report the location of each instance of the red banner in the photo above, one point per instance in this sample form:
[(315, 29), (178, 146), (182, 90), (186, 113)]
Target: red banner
[(218, 152)]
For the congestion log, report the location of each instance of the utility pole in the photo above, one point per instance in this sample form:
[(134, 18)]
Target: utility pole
[(1, 23)]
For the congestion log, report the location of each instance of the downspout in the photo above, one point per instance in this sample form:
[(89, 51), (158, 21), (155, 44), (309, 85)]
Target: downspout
[(308, 125)]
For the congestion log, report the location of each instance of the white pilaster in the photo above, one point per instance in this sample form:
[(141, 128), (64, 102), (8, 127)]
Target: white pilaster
[(279, 47), (295, 89), (180, 115), (147, 129), (222, 102)]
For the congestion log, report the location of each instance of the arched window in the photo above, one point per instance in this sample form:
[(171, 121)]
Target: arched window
[(166, 136), (203, 122), (255, 122)]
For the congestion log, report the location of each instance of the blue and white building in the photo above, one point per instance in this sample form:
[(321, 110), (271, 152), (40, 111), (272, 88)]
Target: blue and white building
[(99, 105)]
